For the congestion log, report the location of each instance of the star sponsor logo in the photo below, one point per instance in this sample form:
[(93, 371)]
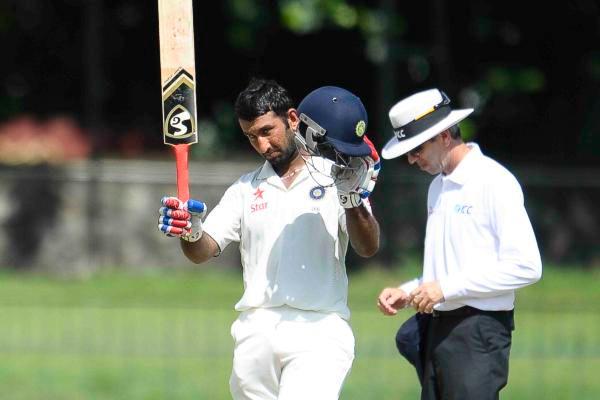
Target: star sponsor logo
[(258, 205), (258, 194)]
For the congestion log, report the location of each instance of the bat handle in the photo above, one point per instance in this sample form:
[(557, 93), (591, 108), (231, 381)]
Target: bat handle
[(181, 160)]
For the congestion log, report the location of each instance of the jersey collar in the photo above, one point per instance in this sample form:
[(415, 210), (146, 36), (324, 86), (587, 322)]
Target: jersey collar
[(267, 173), (464, 169)]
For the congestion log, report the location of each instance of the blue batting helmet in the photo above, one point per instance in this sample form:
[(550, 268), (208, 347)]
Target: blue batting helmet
[(334, 116)]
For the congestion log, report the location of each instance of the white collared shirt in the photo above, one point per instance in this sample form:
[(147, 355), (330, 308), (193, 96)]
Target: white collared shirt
[(293, 241), (479, 243)]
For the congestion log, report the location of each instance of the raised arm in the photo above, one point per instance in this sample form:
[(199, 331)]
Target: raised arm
[(202, 250), (363, 231), (354, 184)]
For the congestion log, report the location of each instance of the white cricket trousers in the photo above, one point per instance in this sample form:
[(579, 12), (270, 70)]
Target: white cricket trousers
[(287, 354)]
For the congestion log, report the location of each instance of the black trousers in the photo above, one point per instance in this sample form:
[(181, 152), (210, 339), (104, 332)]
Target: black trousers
[(466, 356)]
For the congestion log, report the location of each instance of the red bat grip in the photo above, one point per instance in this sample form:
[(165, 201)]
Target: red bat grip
[(181, 160)]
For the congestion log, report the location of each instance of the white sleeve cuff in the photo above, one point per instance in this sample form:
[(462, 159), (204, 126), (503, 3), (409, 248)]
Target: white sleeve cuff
[(410, 285), (451, 288)]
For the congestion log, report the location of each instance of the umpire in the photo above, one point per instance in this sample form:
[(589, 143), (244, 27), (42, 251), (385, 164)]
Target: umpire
[(479, 248)]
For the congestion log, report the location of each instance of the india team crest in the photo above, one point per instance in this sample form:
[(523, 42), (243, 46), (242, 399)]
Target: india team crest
[(317, 192), (360, 129)]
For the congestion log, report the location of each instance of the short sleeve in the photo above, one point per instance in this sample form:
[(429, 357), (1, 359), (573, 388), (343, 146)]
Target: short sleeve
[(223, 223)]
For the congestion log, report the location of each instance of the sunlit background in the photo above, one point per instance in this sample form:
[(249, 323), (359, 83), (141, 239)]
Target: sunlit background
[(96, 304)]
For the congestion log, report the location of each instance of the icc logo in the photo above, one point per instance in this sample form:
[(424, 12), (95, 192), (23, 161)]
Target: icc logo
[(463, 209)]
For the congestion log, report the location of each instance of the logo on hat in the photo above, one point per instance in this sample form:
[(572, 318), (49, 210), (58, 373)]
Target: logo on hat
[(361, 126), (419, 118)]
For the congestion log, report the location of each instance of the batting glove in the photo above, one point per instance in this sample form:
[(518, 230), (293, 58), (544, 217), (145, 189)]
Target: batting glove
[(181, 219), (357, 180)]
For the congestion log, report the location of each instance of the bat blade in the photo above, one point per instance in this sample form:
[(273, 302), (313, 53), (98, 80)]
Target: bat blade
[(178, 83)]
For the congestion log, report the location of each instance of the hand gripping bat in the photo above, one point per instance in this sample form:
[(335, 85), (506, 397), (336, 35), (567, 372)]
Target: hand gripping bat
[(177, 70)]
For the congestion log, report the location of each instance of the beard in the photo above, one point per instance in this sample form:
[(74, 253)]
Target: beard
[(284, 155)]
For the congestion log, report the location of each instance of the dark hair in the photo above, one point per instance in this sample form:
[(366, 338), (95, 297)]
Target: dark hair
[(454, 132), (260, 97)]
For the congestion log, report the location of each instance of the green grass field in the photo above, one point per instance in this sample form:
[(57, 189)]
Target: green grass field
[(165, 335)]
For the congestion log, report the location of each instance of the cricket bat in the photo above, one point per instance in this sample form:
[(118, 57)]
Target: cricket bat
[(178, 84)]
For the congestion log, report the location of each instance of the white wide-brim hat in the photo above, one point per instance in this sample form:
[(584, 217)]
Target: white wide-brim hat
[(418, 118)]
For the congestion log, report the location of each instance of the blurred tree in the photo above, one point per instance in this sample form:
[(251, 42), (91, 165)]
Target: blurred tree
[(534, 80), (532, 75), (36, 204)]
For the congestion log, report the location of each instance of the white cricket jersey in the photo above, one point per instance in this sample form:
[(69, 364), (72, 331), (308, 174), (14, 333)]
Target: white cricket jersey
[(292, 240), (479, 243)]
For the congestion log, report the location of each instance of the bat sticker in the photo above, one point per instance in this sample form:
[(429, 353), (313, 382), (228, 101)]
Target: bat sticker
[(179, 109), (179, 122)]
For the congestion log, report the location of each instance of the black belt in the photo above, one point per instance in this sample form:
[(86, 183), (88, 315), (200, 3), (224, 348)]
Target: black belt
[(466, 311)]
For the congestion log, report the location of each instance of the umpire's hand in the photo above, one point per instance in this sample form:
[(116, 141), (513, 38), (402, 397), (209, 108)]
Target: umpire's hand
[(391, 300), (426, 296)]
